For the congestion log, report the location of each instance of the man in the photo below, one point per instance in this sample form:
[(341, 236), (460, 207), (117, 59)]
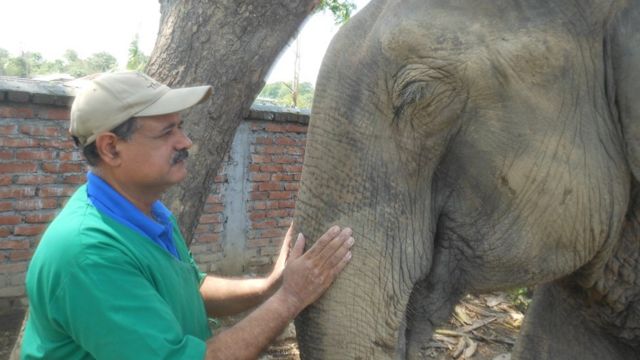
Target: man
[(112, 277)]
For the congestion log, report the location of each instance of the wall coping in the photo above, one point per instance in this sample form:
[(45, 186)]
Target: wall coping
[(55, 93)]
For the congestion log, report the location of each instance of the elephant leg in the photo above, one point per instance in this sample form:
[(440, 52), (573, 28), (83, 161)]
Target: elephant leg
[(427, 309), (555, 329), (431, 302)]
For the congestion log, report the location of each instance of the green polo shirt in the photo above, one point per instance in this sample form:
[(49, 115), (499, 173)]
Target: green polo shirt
[(100, 290)]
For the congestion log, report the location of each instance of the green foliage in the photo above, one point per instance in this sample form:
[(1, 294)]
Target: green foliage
[(137, 59), (521, 298), (29, 64), (341, 9), (281, 94)]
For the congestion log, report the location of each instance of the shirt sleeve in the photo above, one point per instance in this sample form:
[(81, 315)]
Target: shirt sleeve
[(112, 310)]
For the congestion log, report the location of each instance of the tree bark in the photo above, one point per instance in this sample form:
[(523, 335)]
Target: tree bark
[(231, 45)]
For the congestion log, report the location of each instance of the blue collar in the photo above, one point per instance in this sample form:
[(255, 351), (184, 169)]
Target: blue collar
[(111, 203)]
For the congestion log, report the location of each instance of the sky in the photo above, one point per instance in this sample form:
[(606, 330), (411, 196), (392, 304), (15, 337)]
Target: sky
[(90, 26)]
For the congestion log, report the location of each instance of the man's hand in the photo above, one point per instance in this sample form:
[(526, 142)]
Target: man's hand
[(307, 276)]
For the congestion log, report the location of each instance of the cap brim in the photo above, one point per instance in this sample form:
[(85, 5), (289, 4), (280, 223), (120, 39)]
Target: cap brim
[(176, 100)]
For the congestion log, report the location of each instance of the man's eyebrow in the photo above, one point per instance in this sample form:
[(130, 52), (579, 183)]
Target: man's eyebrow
[(172, 125)]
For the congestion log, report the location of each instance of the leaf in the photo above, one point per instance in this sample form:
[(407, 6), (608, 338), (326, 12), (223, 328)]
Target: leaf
[(472, 346)]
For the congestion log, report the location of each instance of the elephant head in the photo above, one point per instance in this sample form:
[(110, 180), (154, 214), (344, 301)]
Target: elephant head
[(475, 146)]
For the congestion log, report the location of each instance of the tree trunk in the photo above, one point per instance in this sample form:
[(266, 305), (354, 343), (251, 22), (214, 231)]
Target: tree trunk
[(231, 45)]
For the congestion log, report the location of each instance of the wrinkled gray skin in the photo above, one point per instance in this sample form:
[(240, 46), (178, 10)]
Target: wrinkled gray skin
[(474, 146)]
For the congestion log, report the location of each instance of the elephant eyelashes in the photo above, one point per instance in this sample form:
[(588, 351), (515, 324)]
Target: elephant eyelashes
[(422, 92)]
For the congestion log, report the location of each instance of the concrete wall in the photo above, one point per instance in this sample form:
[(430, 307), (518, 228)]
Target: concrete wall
[(245, 217)]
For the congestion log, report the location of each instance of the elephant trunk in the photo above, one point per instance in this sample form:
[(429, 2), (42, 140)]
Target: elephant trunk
[(363, 313)]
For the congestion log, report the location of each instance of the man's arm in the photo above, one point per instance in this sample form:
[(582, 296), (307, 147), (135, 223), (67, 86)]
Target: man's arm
[(305, 278)]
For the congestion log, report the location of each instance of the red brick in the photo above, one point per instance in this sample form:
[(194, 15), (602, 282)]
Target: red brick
[(270, 186), (255, 216), (17, 167), (58, 114), (207, 238), (6, 205), (18, 142), (264, 140), (272, 127), (271, 149), (220, 179), (12, 193), (215, 199), (254, 168), (293, 168), (292, 186), (75, 179), (259, 177), (281, 177), (4, 232), (254, 195), (35, 179), (64, 167), (17, 255), (29, 230), (279, 213), (295, 150), (35, 155), (36, 204), (259, 159), (39, 218), (8, 129), (7, 155), (50, 191), (16, 112), (213, 208), (258, 205), (273, 233), (10, 219), (281, 140), (286, 204), (283, 159), (70, 156), (201, 229), (210, 219), (32, 130), (13, 268), (6, 180), (280, 195), (14, 244), (58, 144), (296, 128), (271, 168)]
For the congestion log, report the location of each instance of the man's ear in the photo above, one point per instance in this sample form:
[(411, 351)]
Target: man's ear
[(107, 149)]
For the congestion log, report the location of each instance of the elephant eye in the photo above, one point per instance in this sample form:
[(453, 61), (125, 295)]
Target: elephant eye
[(420, 88)]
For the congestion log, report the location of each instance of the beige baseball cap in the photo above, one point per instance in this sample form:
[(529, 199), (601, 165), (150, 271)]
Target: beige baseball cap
[(110, 99)]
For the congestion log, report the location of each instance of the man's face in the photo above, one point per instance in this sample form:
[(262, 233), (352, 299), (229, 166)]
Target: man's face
[(154, 156)]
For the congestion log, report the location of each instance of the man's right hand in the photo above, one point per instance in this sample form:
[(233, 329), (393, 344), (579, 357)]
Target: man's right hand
[(308, 275)]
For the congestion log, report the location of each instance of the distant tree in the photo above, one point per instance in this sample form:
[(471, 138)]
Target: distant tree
[(137, 59), (16, 66), (101, 62), (341, 9), (4, 56), (281, 92)]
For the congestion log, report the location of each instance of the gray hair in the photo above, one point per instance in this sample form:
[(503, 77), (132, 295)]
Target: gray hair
[(123, 131)]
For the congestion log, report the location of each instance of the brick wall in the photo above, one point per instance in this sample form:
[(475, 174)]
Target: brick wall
[(246, 213)]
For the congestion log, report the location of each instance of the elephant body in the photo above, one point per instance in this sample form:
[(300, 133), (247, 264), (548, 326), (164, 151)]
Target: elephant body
[(476, 146)]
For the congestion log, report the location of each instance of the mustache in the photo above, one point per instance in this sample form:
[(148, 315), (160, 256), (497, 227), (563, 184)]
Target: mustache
[(179, 156)]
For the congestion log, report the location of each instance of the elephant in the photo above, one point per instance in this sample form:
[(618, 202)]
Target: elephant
[(475, 146)]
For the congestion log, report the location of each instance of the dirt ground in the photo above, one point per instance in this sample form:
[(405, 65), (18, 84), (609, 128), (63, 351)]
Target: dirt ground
[(482, 328)]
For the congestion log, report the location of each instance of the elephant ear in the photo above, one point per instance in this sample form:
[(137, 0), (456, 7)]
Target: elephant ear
[(624, 46)]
